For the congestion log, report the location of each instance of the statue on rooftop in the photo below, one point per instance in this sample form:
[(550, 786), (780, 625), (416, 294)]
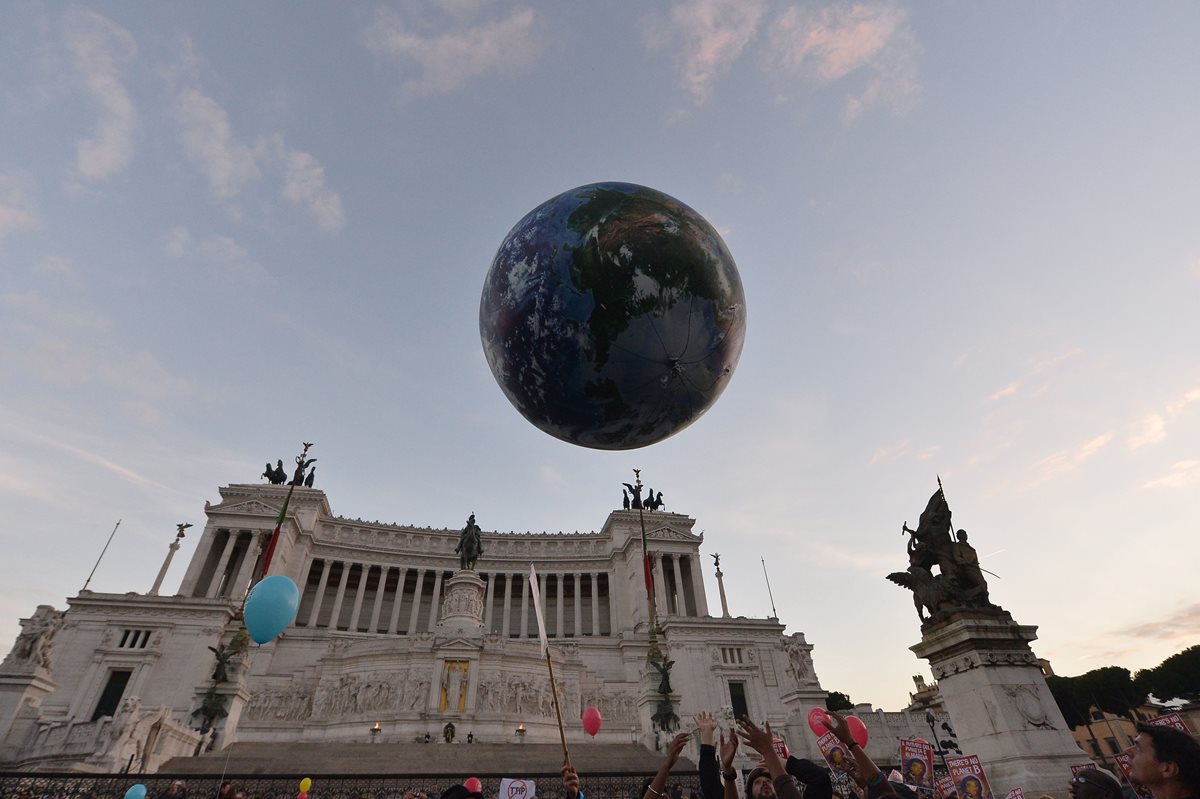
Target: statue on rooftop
[(470, 545), (959, 583)]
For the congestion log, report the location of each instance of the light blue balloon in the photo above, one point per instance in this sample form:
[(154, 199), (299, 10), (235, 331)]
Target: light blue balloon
[(270, 608), (136, 792)]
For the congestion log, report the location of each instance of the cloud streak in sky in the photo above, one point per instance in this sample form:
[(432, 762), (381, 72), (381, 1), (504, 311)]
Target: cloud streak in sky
[(710, 36), (446, 60), (814, 44), (17, 212), (98, 49), (230, 166)]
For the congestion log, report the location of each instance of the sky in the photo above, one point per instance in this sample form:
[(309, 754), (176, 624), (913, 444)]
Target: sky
[(967, 235)]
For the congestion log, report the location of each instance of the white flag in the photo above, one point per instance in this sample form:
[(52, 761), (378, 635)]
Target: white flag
[(537, 607), (517, 789)]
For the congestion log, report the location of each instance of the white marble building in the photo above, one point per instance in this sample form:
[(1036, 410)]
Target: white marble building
[(388, 633)]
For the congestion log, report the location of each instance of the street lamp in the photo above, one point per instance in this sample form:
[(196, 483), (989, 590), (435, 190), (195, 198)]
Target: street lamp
[(930, 719), (375, 730), (521, 732)]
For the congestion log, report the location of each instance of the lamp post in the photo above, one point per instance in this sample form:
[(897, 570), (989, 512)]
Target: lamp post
[(376, 728), (930, 719), (521, 732)]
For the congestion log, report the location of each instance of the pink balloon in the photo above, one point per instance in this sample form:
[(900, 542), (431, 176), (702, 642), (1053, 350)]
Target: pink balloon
[(591, 721), (818, 722), (858, 730), (920, 740), (473, 785), (302, 795)]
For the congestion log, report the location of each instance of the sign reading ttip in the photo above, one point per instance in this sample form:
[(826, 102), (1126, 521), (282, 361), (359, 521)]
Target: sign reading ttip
[(517, 789), (968, 776)]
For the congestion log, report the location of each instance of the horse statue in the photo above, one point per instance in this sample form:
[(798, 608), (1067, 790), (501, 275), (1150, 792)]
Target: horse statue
[(470, 545)]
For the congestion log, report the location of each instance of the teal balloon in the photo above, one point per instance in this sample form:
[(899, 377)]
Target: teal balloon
[(270, 608), (136, 792)]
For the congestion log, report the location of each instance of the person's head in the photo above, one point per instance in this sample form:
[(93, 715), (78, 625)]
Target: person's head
[(961, 535), (226, 788), (239, 795), (1164, 756), (759, 785), (1093, 783)]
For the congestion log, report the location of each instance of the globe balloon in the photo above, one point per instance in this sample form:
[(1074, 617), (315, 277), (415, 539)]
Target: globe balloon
[(612, 316)]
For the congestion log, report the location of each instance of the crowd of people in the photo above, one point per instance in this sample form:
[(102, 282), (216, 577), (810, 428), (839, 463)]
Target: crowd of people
[(1166, 762)]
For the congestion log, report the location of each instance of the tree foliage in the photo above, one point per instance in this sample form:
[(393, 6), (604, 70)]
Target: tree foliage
[(1110, 689), (838, 701), (1177, 677)]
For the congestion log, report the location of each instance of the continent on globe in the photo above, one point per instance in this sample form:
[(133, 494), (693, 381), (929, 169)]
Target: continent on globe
[(612, 316)]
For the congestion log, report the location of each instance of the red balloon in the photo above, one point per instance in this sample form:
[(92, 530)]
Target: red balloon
[(858, 730), (473, 785), (302, 795), (818, 721), (591, 721), (920, 740)]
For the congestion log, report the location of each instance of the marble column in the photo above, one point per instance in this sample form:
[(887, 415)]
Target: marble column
[(558, 610), (660, 585), (245, 572), (336, 615), (507, 604), (172, 548), (316, 608), (397, 600), (577, 584), (698, 586), (215, 585), (416, 608), (595, 604), (435, 600), (525, 606), (189, 587), (680, 596), (487, 603), (359, 593), (543, 581), (382, 584)]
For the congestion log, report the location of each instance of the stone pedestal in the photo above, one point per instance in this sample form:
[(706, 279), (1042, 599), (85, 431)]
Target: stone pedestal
[(998, 701), (462, 610)]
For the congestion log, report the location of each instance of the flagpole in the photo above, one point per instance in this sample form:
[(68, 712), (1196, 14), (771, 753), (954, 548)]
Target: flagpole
[(301, 463), (562, 736), (106, 543)]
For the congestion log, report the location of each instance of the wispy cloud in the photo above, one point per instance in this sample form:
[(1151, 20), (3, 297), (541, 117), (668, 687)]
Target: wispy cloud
[(17, 212), (230, 166), (888, 452), (447, 54), (824, 45), (1184, 624), (207, 138), (1038, 367), (1183, 473), (304, 183), (98, 49), (1152, 428), (1068, 460), (57, 269), (220, 255), (710, 36)]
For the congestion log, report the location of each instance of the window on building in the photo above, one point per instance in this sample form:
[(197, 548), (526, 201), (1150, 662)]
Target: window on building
[(1097, 715), (1112, 745), (110, 698), (1096, 748), (134, 639), (731, 655), (737, 698)]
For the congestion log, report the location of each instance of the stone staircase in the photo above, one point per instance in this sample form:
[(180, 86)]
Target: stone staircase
[(457, 759)]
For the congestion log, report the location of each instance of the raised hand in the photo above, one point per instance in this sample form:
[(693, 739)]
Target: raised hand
[(708, 726), (839, 727), (757, 739), (728, 750), (570, 778), (676, 748)]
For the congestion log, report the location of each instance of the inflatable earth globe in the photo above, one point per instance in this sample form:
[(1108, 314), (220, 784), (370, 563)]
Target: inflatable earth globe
[(612, 316)]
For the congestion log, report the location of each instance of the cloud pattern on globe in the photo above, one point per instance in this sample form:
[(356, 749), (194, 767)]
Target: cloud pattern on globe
[(612, 316)]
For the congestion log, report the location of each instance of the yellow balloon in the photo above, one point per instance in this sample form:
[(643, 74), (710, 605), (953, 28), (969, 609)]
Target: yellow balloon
[(305, 784)]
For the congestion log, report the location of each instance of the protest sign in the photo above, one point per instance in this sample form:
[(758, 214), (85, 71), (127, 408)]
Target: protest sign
[(517, 789), (1124, 763), (1016, 793), (968, 776), (835, 752), (1170, 720), (945, 787), (916, 759)]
